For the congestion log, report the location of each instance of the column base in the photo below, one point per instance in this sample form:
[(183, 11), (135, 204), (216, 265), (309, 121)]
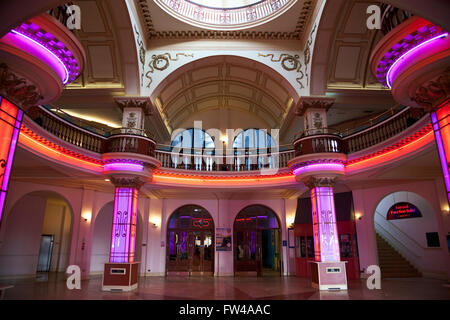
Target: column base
[(329, 275), (120, 276)]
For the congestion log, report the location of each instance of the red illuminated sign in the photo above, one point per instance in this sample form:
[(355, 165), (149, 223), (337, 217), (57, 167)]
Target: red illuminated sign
[(403, 210), (201, 223)]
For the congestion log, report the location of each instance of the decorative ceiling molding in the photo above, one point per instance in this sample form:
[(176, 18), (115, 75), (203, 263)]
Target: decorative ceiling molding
[(297, 34)]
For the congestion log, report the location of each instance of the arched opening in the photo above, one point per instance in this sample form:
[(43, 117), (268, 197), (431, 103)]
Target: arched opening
[(101, 239), (405, 229), (257, 237), (38, 234), (190, 242)]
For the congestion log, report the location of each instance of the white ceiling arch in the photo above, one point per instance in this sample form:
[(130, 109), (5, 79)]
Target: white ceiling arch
[(225, 91)]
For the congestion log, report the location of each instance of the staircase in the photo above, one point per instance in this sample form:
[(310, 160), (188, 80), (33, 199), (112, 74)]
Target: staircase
[(392, 264)]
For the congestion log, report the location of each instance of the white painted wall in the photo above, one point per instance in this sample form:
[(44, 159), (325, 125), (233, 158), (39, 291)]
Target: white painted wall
[(366, 201), (19, 249)]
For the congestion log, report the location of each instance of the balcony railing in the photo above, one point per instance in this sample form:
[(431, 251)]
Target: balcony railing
[(392, 17), (238, 160), (247, 160)]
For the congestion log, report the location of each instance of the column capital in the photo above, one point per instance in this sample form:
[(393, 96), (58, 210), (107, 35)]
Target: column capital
[(313, 102), (143, 103), (130, 182), (314, 182), (434, 92)]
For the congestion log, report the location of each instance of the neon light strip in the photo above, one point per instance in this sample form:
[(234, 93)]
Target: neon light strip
[(123, 167), (320, 167), (49, 51), (388, 76), (442, 156)]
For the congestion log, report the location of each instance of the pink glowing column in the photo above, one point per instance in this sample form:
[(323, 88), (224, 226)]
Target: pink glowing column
[(123, 239), (326, 245), (10, 121), (440, 119)]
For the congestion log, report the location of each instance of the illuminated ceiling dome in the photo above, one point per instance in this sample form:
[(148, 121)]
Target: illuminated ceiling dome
[(225, 14)]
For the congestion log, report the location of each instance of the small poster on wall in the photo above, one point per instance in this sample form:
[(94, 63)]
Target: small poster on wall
[(223, 239)]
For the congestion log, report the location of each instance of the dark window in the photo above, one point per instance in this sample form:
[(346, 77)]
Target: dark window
[(433, 240)]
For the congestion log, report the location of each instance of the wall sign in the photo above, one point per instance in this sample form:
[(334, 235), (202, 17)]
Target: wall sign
[(223, 239), (403, 210)]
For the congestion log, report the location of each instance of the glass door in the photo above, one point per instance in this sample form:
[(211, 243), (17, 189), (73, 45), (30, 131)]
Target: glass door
[(177, 246)]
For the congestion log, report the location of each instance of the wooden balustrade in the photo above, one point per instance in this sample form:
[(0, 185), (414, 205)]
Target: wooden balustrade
[(242, 160), (320, 143), (65, 130), (392, 17), (129, 143), (237, 162)]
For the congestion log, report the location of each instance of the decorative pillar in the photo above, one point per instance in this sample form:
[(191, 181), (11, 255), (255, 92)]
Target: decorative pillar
[(123, 238), (328, 272), (121, 273), (314, 112), (326, 243), (134, 111), (10, 122)]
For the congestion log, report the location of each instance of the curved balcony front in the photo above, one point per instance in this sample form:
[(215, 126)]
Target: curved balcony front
[(413, 60), (46, 134), (37, 59)]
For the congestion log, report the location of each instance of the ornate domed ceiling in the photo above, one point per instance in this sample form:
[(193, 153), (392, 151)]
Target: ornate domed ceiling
[(225, 14)]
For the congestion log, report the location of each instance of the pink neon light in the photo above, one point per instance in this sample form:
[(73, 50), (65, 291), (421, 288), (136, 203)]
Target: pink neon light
[(124, 225), (65, 76), (324, 224), (11, 151), (442, 156), (123, 166), (320, 167), (406, 54)]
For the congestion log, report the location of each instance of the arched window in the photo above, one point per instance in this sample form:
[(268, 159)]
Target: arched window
[(191, 145), (252, 149), (256, 139), (193, 141)]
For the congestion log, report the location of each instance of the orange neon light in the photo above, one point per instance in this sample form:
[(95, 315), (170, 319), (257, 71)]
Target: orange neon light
[(414, 145), (57, 155)]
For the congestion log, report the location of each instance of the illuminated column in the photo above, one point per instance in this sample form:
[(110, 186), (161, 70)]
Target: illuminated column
[(10, 121), (121, 272), (123, 237), (326, 243), (434, 97)]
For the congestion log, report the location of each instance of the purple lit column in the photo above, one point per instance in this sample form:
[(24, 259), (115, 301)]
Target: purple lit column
[(123, 237), (326, 243)]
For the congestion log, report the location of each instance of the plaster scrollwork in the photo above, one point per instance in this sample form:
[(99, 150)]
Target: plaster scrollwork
[(17, 89), (308, 52), (433, 92), (161, 62), (140, 45), (289, 63)]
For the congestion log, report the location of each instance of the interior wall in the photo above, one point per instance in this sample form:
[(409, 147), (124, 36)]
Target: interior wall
[(408, 236), (223, 212), (58, 222), (20, 245), (366, 201)]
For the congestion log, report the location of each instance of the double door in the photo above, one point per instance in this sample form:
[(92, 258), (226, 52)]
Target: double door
[(190, 252), (256, 252)]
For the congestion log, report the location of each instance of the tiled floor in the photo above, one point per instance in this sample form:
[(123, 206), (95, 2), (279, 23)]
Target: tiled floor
[(225, 288)]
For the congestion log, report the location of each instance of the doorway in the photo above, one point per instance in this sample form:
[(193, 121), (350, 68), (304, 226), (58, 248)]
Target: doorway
[(45, 253), (190, 242), (257, 242)]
